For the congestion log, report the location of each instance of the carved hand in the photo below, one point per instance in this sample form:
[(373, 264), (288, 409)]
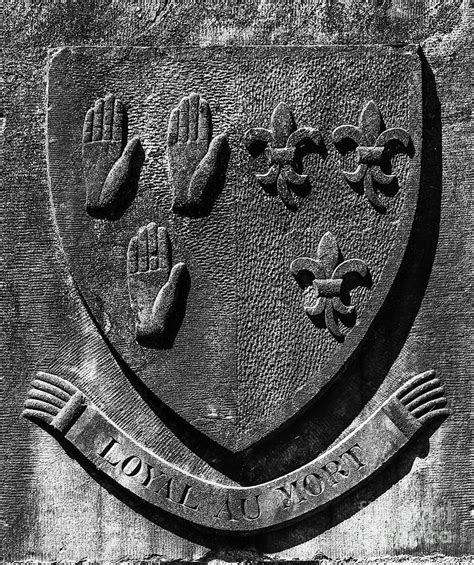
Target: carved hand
[(157, 292), (110, 171), (197, 162)]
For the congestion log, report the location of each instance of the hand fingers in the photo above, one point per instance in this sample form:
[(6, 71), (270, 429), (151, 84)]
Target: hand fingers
[(173, 127), (104, 121), (193, 116), (142, 249), (63, 384), (204, 123), (183, 120), (132, 147), (164, 249), (51, 389), (152, 246), (150, 250), (190, 121), (108, 116), (118, 121), (132, 255), (211, 161), (98, 118), (88, 124), (216, 146)]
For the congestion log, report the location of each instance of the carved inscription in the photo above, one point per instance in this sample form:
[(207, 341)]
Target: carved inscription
[(327, 283), (284, 146), (149, 476), (157, 292), (234, 506), (329, 475), (111, 166), (197, 162), (60, 408), (374, 149)]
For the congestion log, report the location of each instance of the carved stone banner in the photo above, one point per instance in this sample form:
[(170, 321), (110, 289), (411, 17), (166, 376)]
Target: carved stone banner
[(66, 413), (202, 196)]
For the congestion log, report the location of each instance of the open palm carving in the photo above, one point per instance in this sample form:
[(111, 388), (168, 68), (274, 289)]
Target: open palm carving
[(157, 292), (111, 166), (197, 162)]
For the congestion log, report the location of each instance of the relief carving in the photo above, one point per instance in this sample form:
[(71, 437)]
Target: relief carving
[(284, 145), (157, 292), (327, 283), (54, 401), (111, 165), (197, 161), (61, 409), (242, 307), (374, 147)]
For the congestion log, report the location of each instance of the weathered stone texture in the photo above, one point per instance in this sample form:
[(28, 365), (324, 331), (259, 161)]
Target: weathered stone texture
[(51, 509)]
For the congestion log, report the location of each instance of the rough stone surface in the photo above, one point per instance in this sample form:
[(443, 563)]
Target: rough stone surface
[(51, 509)]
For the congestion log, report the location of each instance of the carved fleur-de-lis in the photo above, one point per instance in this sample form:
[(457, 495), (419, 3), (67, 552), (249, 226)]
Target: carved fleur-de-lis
[(325, 282), (281, 143), (374, 147)]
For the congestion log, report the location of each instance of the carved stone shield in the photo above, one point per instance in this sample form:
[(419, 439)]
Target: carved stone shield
[(265, 201)]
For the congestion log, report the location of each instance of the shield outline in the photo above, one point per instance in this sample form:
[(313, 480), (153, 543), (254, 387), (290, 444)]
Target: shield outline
[(306, 395)]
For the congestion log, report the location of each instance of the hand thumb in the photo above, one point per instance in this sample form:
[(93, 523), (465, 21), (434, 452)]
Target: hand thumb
[(169, 296), (120, 184), (210, 172)]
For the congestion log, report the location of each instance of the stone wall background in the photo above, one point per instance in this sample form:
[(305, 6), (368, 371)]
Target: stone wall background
[(50, 509)]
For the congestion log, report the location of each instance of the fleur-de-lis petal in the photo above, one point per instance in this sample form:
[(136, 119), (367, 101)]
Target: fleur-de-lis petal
[(350, 267), (370, 123), (256, 139), (281, 143), (328, 253), (304, 267), (304, 135), (373, 146), (324, 281), (398, 136), (305, 270), (282, 124)]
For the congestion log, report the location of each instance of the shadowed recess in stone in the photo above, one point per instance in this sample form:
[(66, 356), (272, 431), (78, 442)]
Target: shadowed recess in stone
[(284, 146), (374, 146), (197, 162), (111, 166), (158, 293), (327, 283)]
